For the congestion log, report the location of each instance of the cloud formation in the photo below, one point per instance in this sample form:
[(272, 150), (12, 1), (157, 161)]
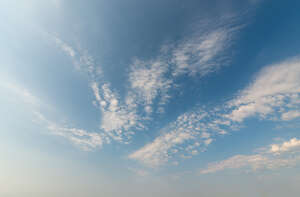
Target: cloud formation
[(117, 119), (85, 140), (82, 138), (288, 146), (148, 81), (203, 53), (264, 160), (274, 91), (274, 95), (186, 136)]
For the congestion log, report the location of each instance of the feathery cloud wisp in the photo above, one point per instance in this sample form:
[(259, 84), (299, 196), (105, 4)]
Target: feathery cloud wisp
[(275, 91), (204, 52), (187, 136), (263, 160), (84, 139)]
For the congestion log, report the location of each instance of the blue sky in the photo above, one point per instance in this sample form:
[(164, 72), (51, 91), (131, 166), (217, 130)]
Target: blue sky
[(165, 98)]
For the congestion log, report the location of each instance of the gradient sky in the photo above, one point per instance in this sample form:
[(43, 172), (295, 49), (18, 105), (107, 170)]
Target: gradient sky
[(149, 98)]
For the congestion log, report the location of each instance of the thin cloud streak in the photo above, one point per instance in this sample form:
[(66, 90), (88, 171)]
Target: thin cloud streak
[(82, 138), (276, 156)]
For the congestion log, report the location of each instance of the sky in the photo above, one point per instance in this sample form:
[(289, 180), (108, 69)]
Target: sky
[(149, 98)]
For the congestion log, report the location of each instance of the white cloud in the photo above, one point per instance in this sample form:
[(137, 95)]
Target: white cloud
[(291, 145), (64, 46), (274, 91), (203, 53), (148, 80), (80, 57), (82, 138), (118, 120), (157, 152), (22, 93), (85, 140), (208, 141), (189, 131), (290, 115), (263, 160)]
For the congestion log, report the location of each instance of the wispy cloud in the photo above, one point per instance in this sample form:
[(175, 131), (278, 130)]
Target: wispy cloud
[(203, 53), (288, 146), (79, 57), (64, 46), (85, 140), (290, 115), (148, 80), (151, 81), (187, 136), (275, 91), (274, 94), (117, 119), (82, 138), (264, 160), (22, 93)]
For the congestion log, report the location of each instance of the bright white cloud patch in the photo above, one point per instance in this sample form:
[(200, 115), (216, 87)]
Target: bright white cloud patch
[(148, 80), (204, 53), (263, 160), (291, 145), (117, 119), (187, 136), (275, 91)]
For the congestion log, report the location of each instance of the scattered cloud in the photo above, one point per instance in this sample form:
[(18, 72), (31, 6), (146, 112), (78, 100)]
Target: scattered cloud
[(117, 119), (64, 47), (187, 136), (84, 139), (290, 115), (275, 91), (148, 80), (288, 146), (205, 52), (274, 94), (80, 57), (21, 93), (264, 160)]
